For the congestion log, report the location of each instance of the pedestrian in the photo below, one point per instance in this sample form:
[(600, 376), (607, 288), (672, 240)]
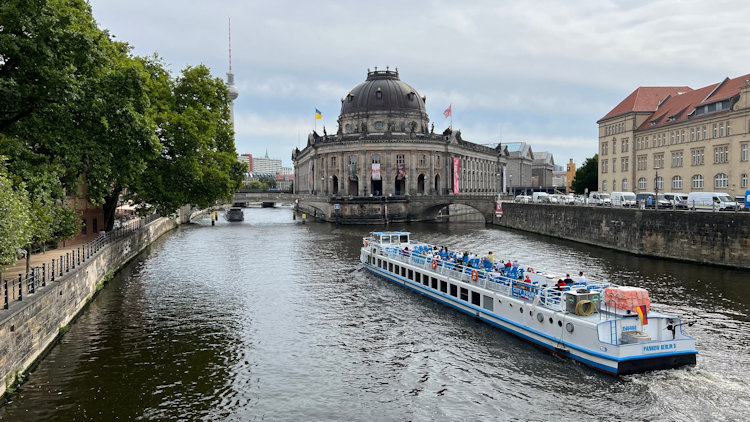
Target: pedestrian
[(581, 278)]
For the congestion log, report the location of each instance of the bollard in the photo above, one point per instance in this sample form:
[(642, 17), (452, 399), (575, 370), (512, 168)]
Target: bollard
[(79, 256), (67, 262), (304, 218), (44, 274), (294, 214), (20, 287), (33, 280), (52, 270), (61, 266), (5, 284)]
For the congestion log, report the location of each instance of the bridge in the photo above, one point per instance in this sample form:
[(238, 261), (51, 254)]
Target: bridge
[(373, 209)]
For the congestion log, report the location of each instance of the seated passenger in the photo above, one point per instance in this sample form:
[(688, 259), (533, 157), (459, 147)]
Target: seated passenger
[(527, 279), (561, 284)]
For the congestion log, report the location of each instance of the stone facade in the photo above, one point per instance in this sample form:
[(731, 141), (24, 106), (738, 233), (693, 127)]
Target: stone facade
[(678, 139), (384, 148), (720, 238)]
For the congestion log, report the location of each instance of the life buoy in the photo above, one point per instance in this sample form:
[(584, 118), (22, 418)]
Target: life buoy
[(367, 243), (474, 275), (531, 270), (434, 263)]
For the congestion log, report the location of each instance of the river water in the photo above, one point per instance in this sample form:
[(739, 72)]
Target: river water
[(272, 319)]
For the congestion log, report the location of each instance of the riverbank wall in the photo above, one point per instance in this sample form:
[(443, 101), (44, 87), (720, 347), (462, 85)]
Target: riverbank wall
[(717, 238), (29, 327)]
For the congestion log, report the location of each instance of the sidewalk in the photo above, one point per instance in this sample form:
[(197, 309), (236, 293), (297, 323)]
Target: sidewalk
[(38, 258)]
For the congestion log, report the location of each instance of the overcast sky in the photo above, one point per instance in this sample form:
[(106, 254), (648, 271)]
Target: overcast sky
[(542, 72)]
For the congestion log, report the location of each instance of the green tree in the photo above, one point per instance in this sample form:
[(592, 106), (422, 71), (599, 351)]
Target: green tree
[(587, 176), (268, 180), (198, 162), (14, 220)]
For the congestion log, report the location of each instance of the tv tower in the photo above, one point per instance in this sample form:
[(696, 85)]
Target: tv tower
[(233, 91)]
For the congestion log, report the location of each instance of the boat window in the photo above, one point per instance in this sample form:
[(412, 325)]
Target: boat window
[(368, 259), (403, 271), (404, 238), (398, 269), (475, 298), (425, 279), (390, 266), (411, 275), (488, 303), (443, 286), (464, 294), (434, 283), (454, 290)]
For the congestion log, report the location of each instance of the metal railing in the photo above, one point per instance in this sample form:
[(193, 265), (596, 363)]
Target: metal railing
[(16, 288)]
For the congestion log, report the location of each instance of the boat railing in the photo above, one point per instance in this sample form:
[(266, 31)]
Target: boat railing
[(549, 297)]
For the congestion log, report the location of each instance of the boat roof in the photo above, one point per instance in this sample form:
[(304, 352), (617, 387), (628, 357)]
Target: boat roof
[(390, 233)]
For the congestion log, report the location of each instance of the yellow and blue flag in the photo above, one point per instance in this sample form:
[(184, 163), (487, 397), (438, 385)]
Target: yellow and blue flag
[(318, 115)]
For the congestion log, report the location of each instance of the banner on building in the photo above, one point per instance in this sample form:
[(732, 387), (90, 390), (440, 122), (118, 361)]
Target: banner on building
[(498, 208), (401, 172), (455, 175), (352, 170), (375, 171)]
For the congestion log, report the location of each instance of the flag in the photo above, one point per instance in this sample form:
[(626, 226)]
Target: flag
[(642, 314), (318, 114), (447, 111)]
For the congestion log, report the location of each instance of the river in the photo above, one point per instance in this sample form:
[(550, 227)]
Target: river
[(274, 319)]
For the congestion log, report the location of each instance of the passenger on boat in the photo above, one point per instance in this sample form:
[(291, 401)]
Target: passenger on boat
[(568, 280), (527, 279), (561, 284), (507, 265), (515, 263), (581, 278), (491, 257)]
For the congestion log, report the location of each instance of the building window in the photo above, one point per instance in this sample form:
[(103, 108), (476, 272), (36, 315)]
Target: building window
[(422, 160), (697, 155), (729, 131), (614, 185), (645, 142), (642, 162), (743, 152), (721, 129), (400, 159), (625, 184), (677, 182), (437, 161), (721, 154), (604, 166), (704, 131), (333, 162), (721, 181), (642, 183), (682, 136), (604, 186), (660, 183), (671, 138), (692, 134), (375, 158), (697, 181), (743, 180), (677, 159), (658, 161), (623, 165)]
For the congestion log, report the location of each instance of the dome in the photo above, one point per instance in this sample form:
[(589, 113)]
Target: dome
[(233, 92), (383, 91)]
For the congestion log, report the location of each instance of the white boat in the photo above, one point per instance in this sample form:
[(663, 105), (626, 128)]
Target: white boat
[(595, 323), (234, 214)]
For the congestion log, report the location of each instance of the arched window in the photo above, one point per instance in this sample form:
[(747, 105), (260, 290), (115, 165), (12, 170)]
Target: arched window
[(660, 183), (677, 182), (625, 184), (721, 181), (614, 185), (604, 186), (698, 181), (642, 183), (743, 180)]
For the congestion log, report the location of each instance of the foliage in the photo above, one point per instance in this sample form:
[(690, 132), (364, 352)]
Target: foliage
[(268, 180), (14, 219), (587, 176), (257, 185)]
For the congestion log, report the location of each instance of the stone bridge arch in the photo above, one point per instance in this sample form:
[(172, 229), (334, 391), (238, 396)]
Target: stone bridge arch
[(428, 209)]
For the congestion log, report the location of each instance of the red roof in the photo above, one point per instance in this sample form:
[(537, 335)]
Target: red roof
[(645, 98), (677, 108)]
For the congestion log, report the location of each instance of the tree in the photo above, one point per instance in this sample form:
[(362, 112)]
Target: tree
[(268, 180), (198, 161), (14, 220), (587, 176)]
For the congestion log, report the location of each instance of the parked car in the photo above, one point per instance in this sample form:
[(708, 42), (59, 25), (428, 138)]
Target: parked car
[(656, 201), (596, 198), (711, 201), (523, 199), (676, 200), (623, 199), (540, 197), (580, 200), (741, 203)]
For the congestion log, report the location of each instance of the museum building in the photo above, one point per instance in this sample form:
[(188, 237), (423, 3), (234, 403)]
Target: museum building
[(385, 146)]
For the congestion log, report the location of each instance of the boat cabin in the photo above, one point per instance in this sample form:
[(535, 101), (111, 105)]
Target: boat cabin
[(390, 238)]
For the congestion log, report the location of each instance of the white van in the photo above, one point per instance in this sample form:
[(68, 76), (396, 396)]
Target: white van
[(540, 198), (710, 201), (596, 198), (623, 199), (676, 200)]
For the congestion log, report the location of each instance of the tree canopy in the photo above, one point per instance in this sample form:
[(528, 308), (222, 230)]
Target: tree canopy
[(587, 176), (80, 114)]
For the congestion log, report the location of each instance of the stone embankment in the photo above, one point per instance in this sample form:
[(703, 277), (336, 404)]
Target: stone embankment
[(28, 327), (718, 238)]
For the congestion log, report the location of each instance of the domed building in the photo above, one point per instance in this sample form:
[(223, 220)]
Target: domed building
[(385, 147)]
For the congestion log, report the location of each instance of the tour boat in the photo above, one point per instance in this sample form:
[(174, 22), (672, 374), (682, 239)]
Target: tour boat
[(600, 324), (234, 214)]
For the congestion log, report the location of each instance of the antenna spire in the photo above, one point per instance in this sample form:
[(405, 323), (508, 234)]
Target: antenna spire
[(230, 45)]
